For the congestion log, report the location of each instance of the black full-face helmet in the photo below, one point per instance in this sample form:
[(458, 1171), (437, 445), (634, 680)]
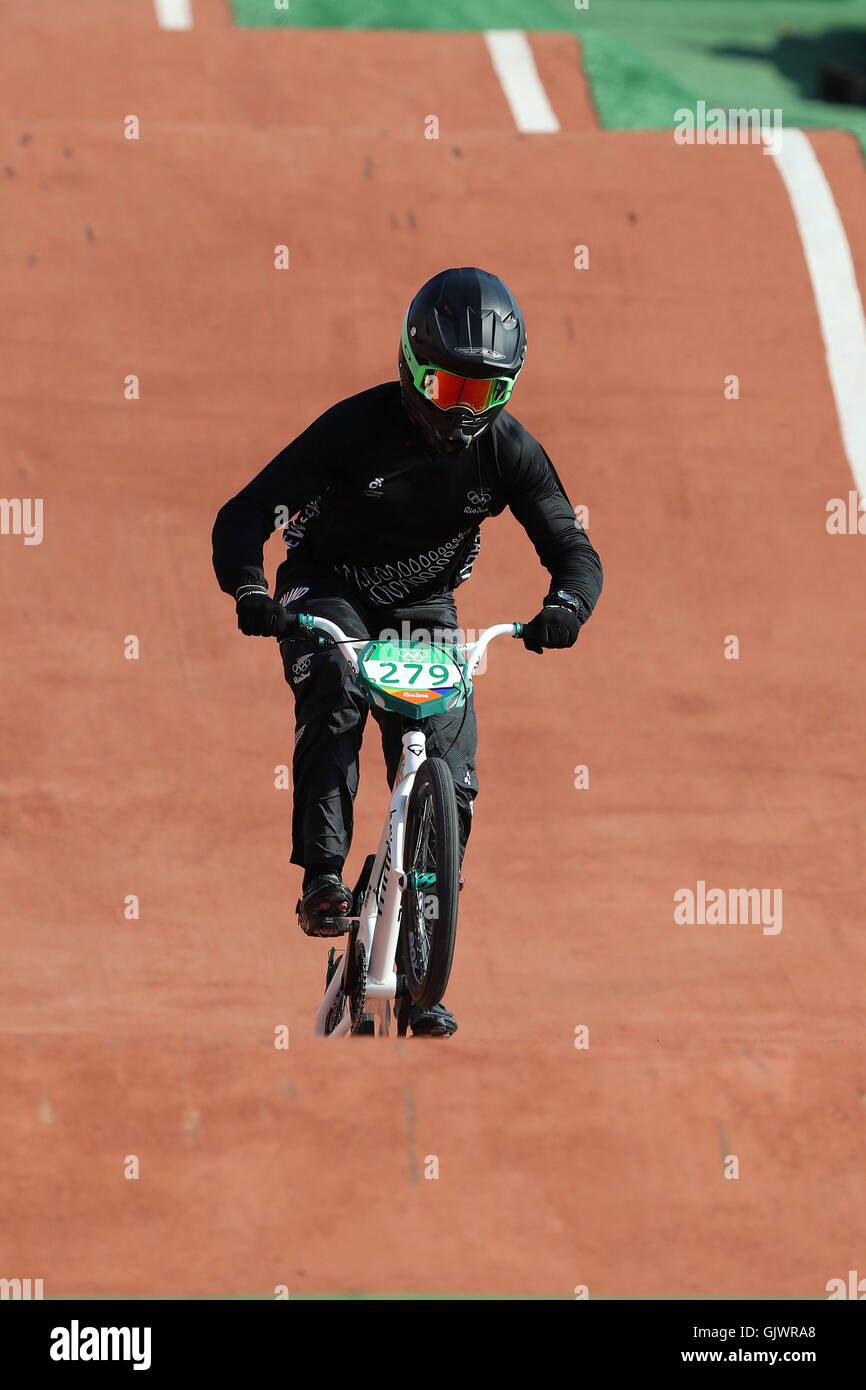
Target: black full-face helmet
[(461, 350)]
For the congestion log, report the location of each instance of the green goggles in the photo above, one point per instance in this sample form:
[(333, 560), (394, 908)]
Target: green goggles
[(450, 392)]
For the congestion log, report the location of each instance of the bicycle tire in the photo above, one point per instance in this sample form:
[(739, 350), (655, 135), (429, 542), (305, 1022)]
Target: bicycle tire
[(427, 938)]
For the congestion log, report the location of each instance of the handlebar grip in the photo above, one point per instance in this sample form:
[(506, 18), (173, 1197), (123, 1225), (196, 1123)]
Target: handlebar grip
[(297, 624), (287, 624)]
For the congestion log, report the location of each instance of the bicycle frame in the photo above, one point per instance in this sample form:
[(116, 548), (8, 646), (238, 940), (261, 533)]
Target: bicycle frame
[(379, 917)]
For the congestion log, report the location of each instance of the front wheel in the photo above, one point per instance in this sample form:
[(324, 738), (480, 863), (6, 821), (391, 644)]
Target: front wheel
[(431, 859)]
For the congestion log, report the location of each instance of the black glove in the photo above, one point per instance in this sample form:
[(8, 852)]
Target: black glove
[(259, 615), (554, 626)]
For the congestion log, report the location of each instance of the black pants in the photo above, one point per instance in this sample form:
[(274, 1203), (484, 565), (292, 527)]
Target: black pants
[(331, 712)]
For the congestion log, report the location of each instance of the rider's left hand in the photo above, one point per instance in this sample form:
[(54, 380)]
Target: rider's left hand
[(554, 626)]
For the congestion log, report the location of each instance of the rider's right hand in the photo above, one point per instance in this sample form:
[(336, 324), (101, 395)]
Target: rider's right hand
[(259, 615)]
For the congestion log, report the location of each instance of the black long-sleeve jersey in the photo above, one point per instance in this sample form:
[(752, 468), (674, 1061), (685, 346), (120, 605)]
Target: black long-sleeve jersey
[(357, 491)]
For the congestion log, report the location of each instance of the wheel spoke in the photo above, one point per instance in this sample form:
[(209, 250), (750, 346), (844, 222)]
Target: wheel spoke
[(423, 861)]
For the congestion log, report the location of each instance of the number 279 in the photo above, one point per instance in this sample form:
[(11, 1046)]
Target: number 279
[(438, 674)]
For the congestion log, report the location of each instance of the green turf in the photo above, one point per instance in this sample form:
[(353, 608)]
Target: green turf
[(659, 18), (408, 14), (645, 58)]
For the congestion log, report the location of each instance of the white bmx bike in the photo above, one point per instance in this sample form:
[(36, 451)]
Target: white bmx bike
[(403, 916)]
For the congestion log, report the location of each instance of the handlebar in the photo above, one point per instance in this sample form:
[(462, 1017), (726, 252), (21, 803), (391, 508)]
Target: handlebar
[(329, 634)]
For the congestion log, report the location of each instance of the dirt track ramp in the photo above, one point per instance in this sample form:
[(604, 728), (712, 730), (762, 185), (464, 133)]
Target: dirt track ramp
[(260, 1167), (156, 777)]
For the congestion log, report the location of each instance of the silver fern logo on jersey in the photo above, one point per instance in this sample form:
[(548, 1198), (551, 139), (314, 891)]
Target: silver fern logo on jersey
[(386, 583), (293, 595)]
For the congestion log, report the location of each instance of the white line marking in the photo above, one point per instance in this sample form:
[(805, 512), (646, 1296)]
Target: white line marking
[(514, 65), (173, 14), (834, 283)]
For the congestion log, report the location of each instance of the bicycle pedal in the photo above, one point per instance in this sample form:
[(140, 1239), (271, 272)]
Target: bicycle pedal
[(322, 926)]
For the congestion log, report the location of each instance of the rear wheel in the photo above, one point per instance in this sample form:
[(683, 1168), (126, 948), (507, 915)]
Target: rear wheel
[(431, 858)]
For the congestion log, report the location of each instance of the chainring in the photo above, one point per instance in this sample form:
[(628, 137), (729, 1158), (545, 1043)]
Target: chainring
[(335, 1013), (338, 1003), (358, 992), (402, 1005)]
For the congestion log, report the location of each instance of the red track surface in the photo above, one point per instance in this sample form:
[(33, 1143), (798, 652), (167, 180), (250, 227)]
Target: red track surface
[(557, 1166)]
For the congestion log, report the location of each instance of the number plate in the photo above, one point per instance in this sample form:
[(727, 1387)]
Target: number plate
[(414, 672)]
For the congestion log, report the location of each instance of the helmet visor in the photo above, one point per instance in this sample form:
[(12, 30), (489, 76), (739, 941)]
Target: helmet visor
[(451, 392)]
